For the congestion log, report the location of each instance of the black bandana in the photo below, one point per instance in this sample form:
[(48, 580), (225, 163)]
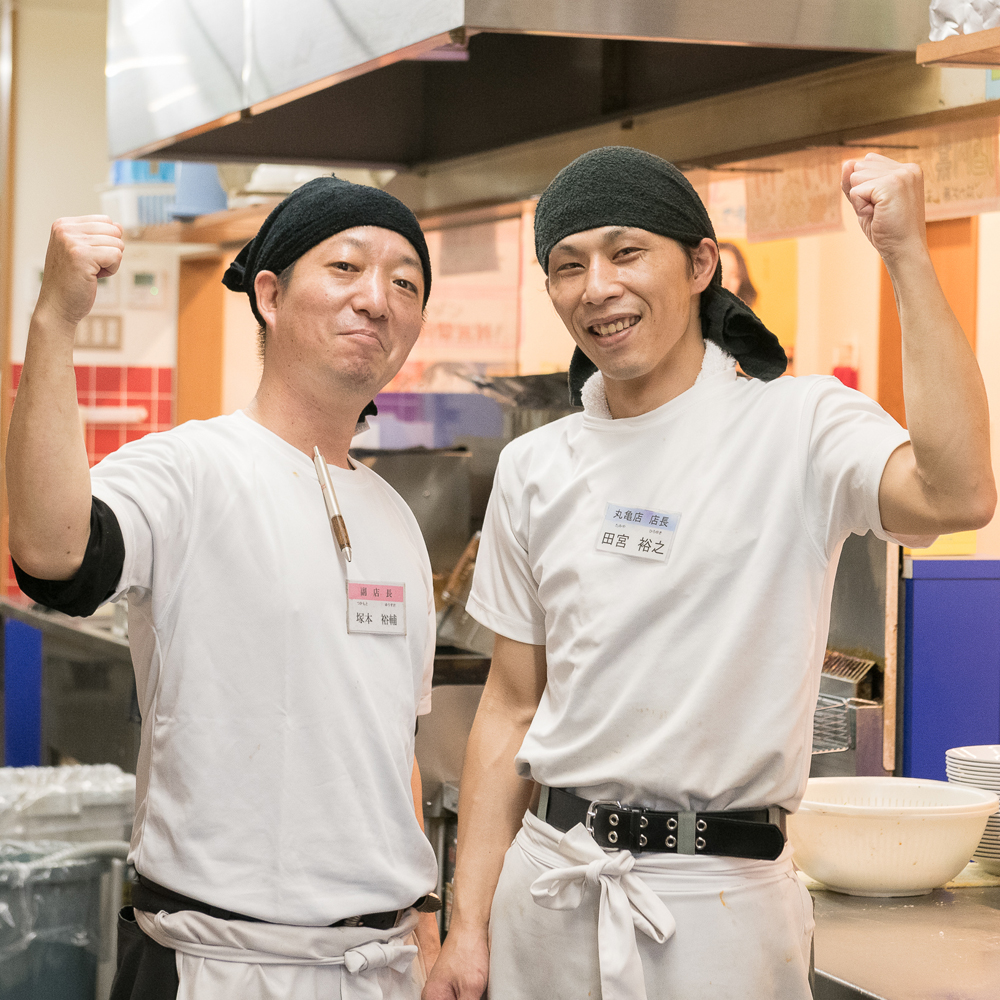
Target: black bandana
[(311, 214), (622, 186)]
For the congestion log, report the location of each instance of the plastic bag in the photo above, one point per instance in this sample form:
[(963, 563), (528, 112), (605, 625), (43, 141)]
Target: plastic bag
[(47, 904), (958, 17)]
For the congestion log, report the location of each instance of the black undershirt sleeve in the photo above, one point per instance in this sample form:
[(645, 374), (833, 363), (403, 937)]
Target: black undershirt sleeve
[(96, 579)]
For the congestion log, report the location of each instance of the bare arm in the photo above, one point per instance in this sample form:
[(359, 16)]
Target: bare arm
[(428, 936), (943, 480), (48, 480), (493, 801)]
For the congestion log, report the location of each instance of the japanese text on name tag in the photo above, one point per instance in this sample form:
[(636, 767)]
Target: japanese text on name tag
[(635, 531), (378, 608)]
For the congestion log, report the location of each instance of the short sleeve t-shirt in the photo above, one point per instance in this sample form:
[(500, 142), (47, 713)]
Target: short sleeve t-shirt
[(274, 766), (678, 568)]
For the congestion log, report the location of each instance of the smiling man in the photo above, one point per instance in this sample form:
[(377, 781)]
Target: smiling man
[(278, 835), (658, 571)]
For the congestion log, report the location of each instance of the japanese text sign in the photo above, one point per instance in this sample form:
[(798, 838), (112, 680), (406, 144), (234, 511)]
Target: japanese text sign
[(376, 608), (635, 531)]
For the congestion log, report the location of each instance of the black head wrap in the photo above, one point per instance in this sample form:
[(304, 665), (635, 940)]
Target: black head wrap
[(311, 214), (622, 186)]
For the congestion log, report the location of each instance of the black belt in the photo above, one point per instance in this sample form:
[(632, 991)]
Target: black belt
[(148, 896), (736, 833)]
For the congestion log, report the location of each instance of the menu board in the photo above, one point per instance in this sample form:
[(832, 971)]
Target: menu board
[(472, 315), (799, 198), (960, 177)]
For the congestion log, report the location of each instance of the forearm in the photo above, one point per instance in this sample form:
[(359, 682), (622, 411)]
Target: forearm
[(48, 478), (946, 407), (493, 800), (428, 935)]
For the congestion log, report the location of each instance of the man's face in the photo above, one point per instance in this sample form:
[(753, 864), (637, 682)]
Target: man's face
[(628, 297), (351, 311)]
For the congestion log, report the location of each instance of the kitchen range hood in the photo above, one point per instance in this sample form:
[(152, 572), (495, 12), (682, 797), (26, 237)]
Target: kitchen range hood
[(398, 84)]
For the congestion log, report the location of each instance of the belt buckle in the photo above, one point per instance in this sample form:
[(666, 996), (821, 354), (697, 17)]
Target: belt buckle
[(592, 811)]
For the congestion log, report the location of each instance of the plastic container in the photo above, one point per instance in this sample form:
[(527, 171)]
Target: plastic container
[(887, 836), (50, 923), (82, 802)]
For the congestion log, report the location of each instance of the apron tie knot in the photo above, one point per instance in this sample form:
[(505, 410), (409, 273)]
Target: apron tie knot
[(626, 904), (379, 955)]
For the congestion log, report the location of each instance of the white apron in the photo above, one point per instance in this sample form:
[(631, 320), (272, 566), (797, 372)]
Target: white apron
[(240, 960), (570, 920)]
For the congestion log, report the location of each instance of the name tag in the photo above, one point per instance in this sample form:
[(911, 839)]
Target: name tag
[(376, 608), (635, 531)]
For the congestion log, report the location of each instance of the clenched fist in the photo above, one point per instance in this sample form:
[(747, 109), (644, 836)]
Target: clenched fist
[(80, 251), (888, 198)]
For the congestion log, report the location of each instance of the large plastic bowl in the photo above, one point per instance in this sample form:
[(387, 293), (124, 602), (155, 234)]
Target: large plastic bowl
[(887, 836)]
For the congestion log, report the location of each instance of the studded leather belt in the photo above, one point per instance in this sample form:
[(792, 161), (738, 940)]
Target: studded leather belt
[(736, 833)]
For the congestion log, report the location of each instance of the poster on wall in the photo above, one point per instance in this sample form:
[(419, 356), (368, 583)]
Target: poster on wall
[(472, 315), (960, 176), (798, 197)]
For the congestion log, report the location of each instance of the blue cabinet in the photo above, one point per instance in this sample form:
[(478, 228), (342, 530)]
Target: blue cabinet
[(951, 675), (22, 662)]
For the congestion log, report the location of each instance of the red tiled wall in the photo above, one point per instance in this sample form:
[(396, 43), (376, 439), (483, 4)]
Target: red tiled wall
[(101, 385)]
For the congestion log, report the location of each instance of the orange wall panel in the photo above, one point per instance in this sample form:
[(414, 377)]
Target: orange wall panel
[(954, 249), (200, 339)]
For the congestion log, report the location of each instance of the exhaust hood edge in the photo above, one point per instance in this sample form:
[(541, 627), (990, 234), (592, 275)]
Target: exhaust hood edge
[(855, 25), (797, 109)]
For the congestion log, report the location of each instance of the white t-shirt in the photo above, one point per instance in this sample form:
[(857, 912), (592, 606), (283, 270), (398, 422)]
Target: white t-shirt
[(274, 767), (687, 683)]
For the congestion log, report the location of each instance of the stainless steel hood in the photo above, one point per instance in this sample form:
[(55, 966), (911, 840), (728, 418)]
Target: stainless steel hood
[(348, 82)]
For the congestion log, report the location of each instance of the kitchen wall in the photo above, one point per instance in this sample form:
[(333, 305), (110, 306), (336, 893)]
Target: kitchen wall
[(838, 302), (240, 361), (60, 163), (988, 351)]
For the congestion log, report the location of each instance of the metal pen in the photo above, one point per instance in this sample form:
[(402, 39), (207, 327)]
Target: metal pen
[(332, 507)]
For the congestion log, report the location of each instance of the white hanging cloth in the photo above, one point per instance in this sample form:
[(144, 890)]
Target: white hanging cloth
[(226, 959)]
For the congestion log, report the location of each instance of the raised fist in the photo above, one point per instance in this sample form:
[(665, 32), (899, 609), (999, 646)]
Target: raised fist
[(888, 198), (80, 251)]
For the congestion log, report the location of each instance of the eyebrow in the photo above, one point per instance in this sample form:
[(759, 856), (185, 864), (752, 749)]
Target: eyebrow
[(361, 244), (610, 236)]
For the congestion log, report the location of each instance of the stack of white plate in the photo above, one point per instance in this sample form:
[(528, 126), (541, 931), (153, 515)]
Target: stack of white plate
[(979, 767)]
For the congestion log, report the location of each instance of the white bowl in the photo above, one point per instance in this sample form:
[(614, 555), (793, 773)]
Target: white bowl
[(887, 836)]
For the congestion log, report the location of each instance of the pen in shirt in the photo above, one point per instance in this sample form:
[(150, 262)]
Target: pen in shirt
[(332, 507)]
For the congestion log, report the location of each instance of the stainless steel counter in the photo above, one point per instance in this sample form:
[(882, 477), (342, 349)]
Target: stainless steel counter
[(82, 633), (943, 946)]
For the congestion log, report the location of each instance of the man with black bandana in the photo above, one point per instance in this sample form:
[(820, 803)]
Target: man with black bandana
[(658, 571), (279, 673)]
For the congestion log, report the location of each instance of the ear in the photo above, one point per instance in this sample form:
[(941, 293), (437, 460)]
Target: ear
[(266, 289), (547, 284), (706, 260)]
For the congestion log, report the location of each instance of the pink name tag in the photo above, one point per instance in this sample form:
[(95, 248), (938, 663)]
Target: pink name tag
[(376, 608)]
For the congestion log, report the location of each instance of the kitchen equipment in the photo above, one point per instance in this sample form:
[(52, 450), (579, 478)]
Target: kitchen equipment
[(870, 836), (847, 737), (831, 727), (846, 676), (456, 627), (979, 767), (434, 483)]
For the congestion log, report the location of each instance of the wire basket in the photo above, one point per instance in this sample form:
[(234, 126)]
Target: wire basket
[(831, 726)]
